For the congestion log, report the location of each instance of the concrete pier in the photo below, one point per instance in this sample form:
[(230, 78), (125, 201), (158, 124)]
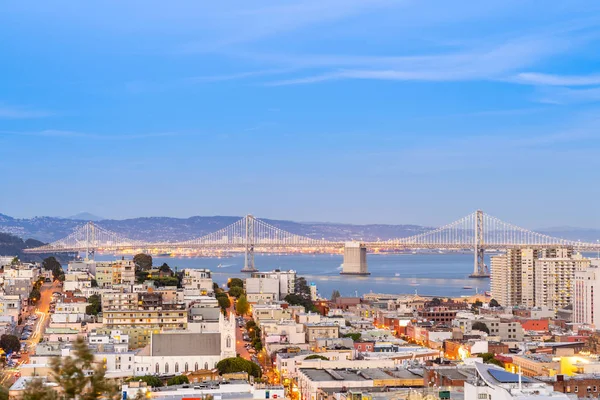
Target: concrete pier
[(355, 259)]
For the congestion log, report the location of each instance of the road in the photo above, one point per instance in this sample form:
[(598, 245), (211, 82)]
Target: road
[(42, 311)]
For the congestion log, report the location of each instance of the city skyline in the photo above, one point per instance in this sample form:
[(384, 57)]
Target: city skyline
[(350, 112)]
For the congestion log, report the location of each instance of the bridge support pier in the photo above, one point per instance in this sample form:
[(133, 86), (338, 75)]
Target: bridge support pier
[(355, 259), (480, 270), (249, 253)]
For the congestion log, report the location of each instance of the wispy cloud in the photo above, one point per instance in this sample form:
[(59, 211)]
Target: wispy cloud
[(564, 95), (491, 63), (53, 133), (12, 112), (558, 80)]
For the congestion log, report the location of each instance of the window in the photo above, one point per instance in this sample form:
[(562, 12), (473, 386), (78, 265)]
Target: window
[(185, 367), (156, 368), (576, 389), (166, 368), (205, 365), (482, 396), (176, 367), (228, 341), (196, 367)]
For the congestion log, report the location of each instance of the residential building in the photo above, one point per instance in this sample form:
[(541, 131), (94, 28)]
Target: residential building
[(199, 281), (512, 277), (586, 301), (117, 272), (555, 279), (262, 289), (286, 279), (493, 382), (321, 330)]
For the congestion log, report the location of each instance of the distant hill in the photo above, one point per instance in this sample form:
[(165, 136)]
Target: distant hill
[(11, 245), (48, 229), (85, 216)]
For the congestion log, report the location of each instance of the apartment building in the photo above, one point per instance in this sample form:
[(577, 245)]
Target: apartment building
[(115, 272), (555, 279), (286, 279), (199, 281), (586, 299), (535, 277)]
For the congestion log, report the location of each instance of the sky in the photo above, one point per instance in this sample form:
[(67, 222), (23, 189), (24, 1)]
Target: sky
[(322, 110)]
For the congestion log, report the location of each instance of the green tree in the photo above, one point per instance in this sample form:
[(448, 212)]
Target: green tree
[(435, 302), (489, 358), (36, 390), (242, 306), (80, 377), (250, 324), (335, 295), (143, 262), (165, 269), (235, 282), (95, 305), (256, 343), (178, 380), (224, 302), (316, 357), (480, 326), (236, 291), (215, 286), (355, 336), (150, 380), (10, 343), (94, 283), (15, 261), (52, 264), (4, 394), (238, 364), (34, 295), (494, 303)]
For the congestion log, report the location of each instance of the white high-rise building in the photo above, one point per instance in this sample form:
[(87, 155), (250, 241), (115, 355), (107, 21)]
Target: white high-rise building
[(555, 279), (512, 278), (535, 278), (586, 300)]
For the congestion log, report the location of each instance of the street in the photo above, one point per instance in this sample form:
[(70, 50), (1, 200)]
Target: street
[(8, 374)]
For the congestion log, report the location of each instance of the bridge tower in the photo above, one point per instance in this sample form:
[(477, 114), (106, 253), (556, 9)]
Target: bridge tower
[(355, 259), (249, 245), (90, 241), (480, 270)]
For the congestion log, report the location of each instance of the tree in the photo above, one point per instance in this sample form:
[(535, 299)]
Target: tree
[(36, 390), (4, 394), (143, 262), (215, 286), (80, 377), (435, 302), (178, 380), (355, 336), (150, 380), (10, 343), (95, 305), (94, 283), (494, 303), (165, 269), (224, 302), (238, 364), (480, 326), (52, 264), (242, 306), (235, 282), (236, 291), (316, 357), (489, 358), (256, 343), (335, 295), (15, 261), (250, 325), (34, 295)]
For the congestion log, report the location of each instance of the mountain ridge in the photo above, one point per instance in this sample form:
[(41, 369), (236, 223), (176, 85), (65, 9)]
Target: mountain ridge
[(48, 229)]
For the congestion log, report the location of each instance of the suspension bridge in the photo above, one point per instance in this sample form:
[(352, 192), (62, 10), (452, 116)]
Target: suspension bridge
[(476, 232)]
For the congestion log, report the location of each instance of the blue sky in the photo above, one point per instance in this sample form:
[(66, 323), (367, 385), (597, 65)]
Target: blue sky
[(349, 111)]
